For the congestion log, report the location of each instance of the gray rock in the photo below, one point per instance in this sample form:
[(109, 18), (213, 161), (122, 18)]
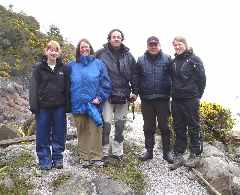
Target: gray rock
[(209, 151), (236, 186), (219, 145), (7, 133), (213, 167), (223, 184)]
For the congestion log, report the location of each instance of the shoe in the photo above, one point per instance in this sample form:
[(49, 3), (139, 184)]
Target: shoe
[(45, 167), (97, 163), (146, 156), (192, 161), (57, 165), (106, 160), (86, 164), (178, 162), (118, 158), (168, 157)]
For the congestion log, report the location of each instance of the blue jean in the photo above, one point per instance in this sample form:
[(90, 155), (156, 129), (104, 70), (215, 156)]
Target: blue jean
[(50, 134)]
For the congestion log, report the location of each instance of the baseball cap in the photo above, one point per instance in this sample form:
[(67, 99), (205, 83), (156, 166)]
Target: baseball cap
[(152, 40)]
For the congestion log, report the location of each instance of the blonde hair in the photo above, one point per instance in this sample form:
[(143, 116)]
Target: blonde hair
[(182, 40), (53, 44)]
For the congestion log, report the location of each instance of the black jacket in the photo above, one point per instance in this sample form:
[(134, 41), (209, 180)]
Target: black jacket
[(188, 76), (120, 69), (153, 76), (49, 89)]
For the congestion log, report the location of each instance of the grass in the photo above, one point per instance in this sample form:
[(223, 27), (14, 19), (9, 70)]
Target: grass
[(60, 180), (126, 170), (10, 169)]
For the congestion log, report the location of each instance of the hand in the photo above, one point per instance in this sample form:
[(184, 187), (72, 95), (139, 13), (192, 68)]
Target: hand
[(96, 101), (132, 98)]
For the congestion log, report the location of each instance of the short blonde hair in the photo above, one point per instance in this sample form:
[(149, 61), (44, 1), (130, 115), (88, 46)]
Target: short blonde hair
[(53, 44)]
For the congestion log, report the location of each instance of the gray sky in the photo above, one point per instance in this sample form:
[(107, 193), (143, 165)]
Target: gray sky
[(210, 27)]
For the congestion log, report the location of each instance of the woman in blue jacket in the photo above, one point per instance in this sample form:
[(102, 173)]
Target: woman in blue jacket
[(90, 87)]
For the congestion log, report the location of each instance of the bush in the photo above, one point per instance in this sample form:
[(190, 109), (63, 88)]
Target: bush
[(216, 122)]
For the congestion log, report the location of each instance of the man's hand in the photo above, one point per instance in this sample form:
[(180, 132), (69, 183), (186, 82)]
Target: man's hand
[(132, 98)]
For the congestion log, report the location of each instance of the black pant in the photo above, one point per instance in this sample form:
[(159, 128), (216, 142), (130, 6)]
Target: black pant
[(152, 109), (186, 120)]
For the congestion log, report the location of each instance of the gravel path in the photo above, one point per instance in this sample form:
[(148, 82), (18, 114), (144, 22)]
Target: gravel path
[(160, 180)]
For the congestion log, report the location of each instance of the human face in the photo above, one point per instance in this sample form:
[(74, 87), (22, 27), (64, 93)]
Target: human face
[(116, 39), (52, 54), (153, 48), (84, 48), (179, 47)]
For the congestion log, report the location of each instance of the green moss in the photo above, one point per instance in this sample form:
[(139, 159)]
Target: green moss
[(10, 169), (126, 170), (60, 180)]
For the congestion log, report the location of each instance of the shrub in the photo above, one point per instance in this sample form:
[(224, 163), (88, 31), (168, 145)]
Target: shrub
[(216, 122)]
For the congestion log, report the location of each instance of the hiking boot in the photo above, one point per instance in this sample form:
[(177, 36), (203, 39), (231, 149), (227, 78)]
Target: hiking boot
[(57, 165), (118, 158), (146, 156), (168, 157), (193, 161), (97, 163), (45, 167), (86, 164), (178, 162)]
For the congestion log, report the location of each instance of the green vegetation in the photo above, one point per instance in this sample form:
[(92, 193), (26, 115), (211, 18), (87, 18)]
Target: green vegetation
[(126, 170), (10, 168), (216, 122), (22, 43), (60, 180)]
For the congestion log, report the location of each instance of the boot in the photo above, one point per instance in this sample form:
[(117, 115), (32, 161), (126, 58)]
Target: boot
[(178, 162), (168, 157), (146, 156), (193, 161)]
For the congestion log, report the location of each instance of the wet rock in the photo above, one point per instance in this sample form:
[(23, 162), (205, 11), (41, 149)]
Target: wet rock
[(7, 133)]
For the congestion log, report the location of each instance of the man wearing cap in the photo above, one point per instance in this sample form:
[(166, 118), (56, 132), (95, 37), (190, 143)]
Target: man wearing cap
[(154, 84), (120, 64)]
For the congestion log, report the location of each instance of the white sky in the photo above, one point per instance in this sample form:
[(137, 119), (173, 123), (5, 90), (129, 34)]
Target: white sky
[(210, 27)]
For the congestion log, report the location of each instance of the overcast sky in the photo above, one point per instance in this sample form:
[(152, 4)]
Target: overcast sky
[(210, 27)]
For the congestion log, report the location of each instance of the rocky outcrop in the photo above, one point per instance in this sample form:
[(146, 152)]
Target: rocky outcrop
[(14, 102), (13, 106), (219, 170)]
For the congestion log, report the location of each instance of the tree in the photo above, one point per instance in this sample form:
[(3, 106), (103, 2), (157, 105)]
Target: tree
[(54, 34)]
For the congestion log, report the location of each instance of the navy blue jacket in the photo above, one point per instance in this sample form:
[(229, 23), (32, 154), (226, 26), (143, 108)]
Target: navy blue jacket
[(153, 76)]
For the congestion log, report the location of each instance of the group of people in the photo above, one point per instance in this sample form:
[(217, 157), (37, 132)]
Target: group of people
[(97, 87)]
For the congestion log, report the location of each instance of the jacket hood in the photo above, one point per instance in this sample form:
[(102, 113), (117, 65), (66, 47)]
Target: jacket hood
[(86, 59)]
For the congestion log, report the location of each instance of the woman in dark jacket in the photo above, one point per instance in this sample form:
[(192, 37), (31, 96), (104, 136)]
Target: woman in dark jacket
[(48, 99), (188, 84)]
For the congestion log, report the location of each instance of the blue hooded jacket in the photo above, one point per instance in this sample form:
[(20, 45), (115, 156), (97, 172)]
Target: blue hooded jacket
[(88, 79)]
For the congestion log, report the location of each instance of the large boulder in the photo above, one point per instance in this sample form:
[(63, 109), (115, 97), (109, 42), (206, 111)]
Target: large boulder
[(218, 169)]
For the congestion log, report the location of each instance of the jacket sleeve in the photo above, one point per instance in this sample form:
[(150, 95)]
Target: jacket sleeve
[(105, 87), (67, 88), (33, 91), (134, 77), (200, 74)]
